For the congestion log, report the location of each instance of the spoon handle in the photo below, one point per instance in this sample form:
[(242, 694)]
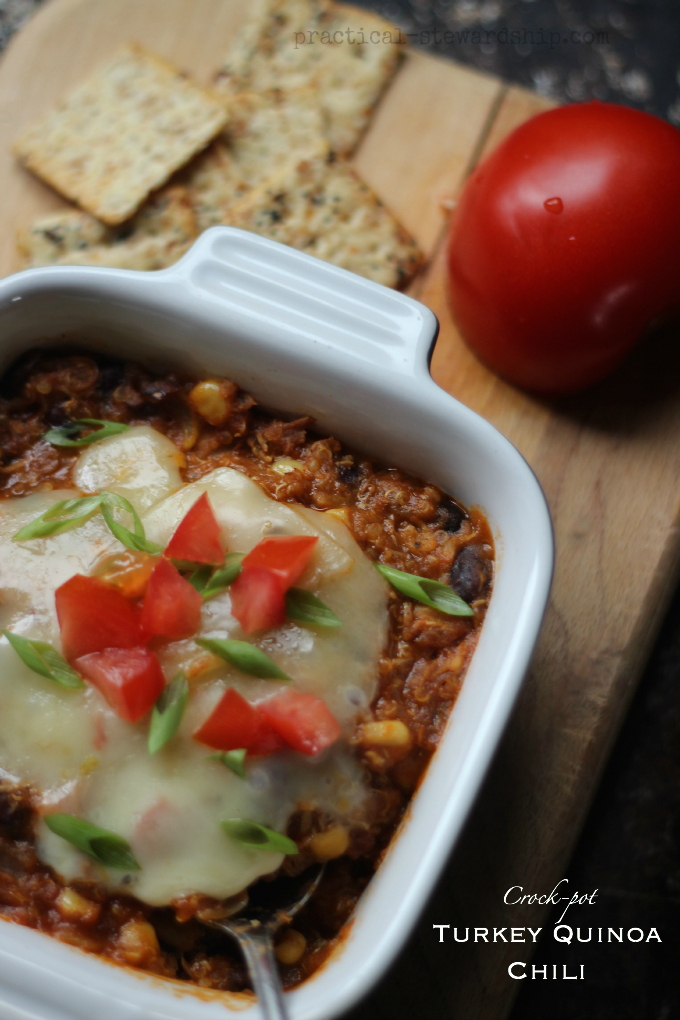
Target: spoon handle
[(258, 952)]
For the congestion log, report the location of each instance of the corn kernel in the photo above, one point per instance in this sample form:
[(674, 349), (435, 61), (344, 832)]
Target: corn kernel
[(284, 465), (341, 513), (386, 733), (138, 943), (291, 947), (74, 907), (331, 843), (212, 399)]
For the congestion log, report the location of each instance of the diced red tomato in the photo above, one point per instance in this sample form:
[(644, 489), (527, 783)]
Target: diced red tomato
[(257, 599), (197, 537), (305, 723), (285, 555), (93, 616), (131, 679), (172, 606), (235, 723)]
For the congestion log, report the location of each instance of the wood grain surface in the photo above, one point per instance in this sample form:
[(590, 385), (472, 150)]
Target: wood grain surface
[(609, 463)]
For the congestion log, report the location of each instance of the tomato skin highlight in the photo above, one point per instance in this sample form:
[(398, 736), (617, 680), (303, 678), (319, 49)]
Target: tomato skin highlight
[(564, 246), (287, 556), (303, 721), (235, 723), (93, 616), (197, 536), (172, 606), (257, 599), (131, 679)]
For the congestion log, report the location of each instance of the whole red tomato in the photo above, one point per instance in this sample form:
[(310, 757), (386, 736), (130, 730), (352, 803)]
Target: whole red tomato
[(565, 245)]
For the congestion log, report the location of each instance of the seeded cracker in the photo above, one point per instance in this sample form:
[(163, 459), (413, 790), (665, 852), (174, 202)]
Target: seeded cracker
[(350, 59), (121, 134), (320, 206), (264, 133), (157, 236)]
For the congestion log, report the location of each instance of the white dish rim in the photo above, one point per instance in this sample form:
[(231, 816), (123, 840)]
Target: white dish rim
[(349, 342)]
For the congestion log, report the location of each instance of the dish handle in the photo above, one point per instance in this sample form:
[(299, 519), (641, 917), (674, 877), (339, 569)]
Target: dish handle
[(272, 289)]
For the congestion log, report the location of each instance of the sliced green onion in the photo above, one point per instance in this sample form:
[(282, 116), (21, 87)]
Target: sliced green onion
[(224, 575), (245, 657), (70, 513), (199, 578), (234, 760), (259, 837), (44, 660), (83, 504), (167, 712), (304, 606), (67, 514), (136, 539), (422, 589), (64, 435), (210, 582), (444, 598), (105, 846)]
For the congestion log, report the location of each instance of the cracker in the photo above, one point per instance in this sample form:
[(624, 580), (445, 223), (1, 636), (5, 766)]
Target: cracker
[(264, 132), (263, 55), (350, 59), (354, 77), (121, 134), (156, 237), (46, 240), (322, 207), (267, 129), (148, 254)]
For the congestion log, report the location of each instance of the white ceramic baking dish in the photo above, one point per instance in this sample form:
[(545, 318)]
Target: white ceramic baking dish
[(304, 337)]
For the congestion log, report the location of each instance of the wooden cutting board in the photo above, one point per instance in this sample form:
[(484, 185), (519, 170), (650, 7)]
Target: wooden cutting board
[(608, 461)]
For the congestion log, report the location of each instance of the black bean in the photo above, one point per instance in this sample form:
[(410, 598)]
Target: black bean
[(470, 573), (158, 389), (111, 376), (56, 415), (450, 516), (349, 473)]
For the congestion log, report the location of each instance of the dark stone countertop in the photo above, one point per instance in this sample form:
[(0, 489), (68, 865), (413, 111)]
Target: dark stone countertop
[(620, 51)]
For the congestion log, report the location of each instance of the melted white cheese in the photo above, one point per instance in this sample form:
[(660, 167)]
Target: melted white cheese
[(140, 464), (84, 760), (247, 515)]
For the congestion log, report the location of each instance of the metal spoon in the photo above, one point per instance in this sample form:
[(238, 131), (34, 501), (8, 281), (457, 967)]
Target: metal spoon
[(254, 922)]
